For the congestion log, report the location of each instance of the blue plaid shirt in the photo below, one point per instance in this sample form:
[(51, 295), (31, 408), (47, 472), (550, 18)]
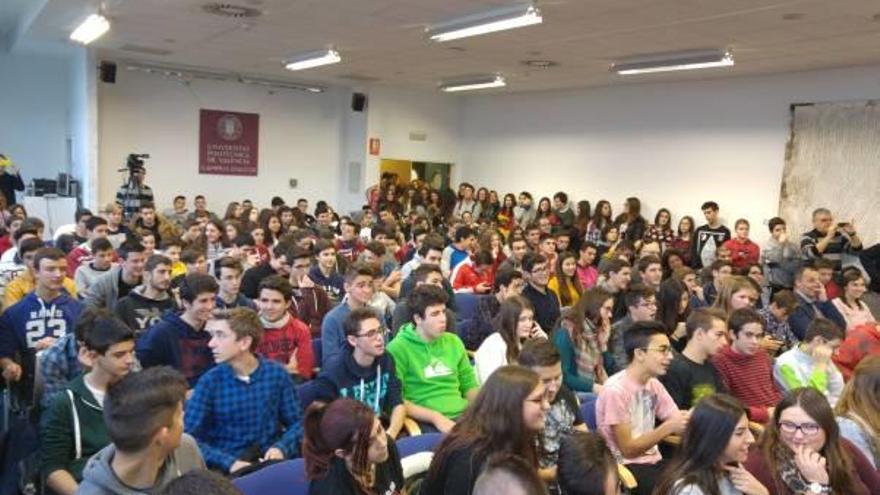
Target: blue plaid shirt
[(229, 415), (58, 365)]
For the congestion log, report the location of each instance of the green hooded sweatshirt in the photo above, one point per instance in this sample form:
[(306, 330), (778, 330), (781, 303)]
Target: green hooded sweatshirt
[(58, 430), (434, 375)]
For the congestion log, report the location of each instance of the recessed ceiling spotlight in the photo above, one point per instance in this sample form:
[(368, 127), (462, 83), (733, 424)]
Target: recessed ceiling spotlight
[(793, 16), (231, 10), (539, 64)]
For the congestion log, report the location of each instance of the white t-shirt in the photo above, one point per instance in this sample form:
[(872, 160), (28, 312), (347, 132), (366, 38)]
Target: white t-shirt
[(97, 394)]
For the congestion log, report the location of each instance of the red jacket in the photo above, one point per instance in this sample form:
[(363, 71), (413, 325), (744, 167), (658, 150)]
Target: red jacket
[(861, 341), (467, 279), (742, 253), (279, 344)]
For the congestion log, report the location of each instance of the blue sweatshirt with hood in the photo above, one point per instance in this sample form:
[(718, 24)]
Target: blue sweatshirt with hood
[(173, 342), (377, 386)]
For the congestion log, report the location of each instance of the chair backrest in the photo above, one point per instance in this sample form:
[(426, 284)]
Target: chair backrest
[(284, 478), (316, 349), (588, 410), (307, 393), (466, 306), (420, 443)]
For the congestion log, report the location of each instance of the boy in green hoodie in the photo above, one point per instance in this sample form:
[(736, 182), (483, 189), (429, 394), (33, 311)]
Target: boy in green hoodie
[(73, 426), (437, 379)]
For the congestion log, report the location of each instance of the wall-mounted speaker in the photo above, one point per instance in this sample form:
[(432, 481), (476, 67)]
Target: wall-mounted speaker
[(358, 102), (108, 72)]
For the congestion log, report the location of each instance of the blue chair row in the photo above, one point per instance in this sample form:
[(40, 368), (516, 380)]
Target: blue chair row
[(289, 477)]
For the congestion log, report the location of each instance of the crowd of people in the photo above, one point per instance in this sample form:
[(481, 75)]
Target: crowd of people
[(557, 347)]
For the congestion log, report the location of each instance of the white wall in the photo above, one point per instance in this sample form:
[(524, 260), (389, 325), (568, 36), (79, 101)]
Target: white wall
[(393, 113), (144, 113), (35, 104), (673, 144)]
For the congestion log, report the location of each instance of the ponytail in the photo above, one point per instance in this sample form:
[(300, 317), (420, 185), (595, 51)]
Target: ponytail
[(344, 424), (316, 454)]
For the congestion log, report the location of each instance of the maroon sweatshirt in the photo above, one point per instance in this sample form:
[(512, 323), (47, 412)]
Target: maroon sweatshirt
[(749, 378)]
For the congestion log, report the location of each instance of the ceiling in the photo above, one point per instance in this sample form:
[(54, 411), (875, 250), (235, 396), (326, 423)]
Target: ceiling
[(383, 42)]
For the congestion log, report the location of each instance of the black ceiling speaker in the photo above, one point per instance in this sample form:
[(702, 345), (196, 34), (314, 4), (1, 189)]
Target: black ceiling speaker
[(108, 72), (358, 102)]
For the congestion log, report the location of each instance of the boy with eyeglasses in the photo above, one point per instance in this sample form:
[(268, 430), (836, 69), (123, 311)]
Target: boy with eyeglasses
[(564, 416), (632, 400), (365, 372), (745, 368), (810, 365), (536, 273)]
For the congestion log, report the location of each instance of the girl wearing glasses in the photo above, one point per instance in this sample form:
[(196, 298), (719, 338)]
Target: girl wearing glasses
[(505, 418), (347, 452), (713, 448), (802, 451)]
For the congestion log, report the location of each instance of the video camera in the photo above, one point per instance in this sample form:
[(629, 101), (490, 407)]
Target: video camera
[(134, 161)]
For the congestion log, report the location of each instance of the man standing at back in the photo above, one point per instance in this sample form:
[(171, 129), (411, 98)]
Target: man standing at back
[(707, 238), (830, 241)]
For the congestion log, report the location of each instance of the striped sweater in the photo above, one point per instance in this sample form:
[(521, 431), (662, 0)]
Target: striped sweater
[(749, 378)]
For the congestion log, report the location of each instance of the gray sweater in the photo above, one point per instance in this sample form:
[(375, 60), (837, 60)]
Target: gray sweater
[(99, 478), (104, 293)]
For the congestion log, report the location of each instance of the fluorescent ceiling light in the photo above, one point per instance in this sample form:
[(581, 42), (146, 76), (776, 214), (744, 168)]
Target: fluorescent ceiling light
[(312, 59), (91, 29), (472, 84), (188, 73), (486, 22), (674, 61)]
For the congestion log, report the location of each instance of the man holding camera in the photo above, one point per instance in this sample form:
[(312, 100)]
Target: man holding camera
[(830, 241), (134, 193)]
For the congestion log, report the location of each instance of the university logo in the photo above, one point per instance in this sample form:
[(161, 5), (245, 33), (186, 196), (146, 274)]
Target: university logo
[(229, 127)]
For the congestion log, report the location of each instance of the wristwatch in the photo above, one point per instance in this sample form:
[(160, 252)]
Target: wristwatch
[(818, 488)]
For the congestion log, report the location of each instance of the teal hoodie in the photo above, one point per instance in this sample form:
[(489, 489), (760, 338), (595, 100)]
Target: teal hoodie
[(434, 375)]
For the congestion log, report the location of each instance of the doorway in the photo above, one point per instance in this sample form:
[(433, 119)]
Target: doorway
[(437, 175)]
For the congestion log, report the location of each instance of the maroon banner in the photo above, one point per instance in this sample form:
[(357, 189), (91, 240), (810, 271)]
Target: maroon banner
[(228, 142)]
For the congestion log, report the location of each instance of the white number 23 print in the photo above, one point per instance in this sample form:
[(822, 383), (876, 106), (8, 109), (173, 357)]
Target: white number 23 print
[(35, 330)]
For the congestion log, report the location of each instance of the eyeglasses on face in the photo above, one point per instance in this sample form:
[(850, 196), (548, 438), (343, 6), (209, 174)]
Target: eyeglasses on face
[(663, 349), (808, 429), (372, 334)]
